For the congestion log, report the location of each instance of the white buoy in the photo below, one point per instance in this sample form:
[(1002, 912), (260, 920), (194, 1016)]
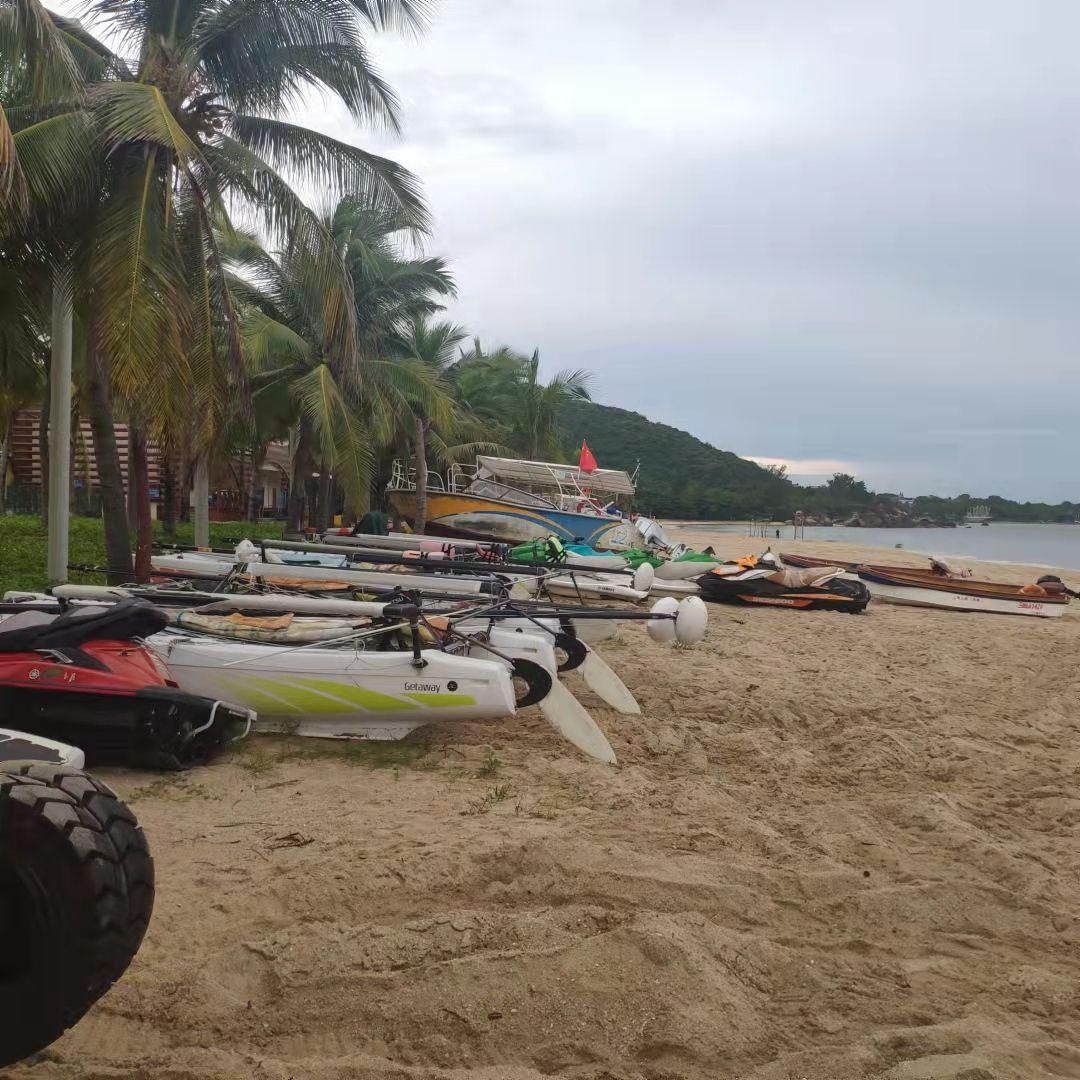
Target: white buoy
[(691, 620), (644, 576), (662, 631)]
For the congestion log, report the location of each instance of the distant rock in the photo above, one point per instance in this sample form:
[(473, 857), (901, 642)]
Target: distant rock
[(891, 515)]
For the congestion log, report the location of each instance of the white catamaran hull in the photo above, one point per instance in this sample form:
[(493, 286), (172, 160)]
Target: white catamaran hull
[(339, 693), (592, 586), (203, 565), (956, 601), (681, 571), (676, 588)]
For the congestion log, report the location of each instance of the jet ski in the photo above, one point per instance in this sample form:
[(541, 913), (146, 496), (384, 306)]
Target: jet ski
[(81, 676), (769, 583)]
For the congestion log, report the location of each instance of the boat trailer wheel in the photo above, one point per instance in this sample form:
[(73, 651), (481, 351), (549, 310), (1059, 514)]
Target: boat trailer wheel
[(532, 683)]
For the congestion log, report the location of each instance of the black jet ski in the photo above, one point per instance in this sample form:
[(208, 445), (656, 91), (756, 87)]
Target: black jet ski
[(767, 582)]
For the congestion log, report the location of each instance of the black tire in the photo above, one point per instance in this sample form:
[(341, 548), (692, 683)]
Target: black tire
[(76, 894)]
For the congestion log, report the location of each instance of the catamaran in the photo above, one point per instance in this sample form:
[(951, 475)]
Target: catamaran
[(516, 501)]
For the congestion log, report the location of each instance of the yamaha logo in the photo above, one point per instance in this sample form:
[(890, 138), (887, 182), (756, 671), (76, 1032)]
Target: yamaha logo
[(451, 685)]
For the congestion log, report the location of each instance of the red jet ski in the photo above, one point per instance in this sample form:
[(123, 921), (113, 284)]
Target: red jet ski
[(81, 677)]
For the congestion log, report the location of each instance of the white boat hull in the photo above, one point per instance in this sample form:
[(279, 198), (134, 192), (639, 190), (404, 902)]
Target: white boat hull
[(677, 588), (338, 693), (955, 601), (681, 571), (582, 585)]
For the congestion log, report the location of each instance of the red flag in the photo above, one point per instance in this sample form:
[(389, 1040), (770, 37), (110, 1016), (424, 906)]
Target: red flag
[(586, 461)]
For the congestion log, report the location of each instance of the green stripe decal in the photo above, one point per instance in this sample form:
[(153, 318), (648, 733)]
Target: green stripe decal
[(270, 704), (443, 700), (310, 695)]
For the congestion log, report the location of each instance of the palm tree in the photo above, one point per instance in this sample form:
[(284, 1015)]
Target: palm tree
[(434, 347), (505, 386), (160, 145), (339, 413)]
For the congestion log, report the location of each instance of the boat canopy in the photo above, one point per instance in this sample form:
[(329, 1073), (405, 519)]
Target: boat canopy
[(600, 481)]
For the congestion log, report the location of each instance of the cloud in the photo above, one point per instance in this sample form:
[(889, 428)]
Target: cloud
[(831, 232), (808, 466), (840, 234)]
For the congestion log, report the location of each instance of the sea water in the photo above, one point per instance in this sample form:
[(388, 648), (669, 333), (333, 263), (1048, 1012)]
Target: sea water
[(1036, 545)]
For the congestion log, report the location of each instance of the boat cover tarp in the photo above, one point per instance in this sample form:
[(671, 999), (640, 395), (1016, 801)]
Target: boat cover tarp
[(271, 630), (607, 481)]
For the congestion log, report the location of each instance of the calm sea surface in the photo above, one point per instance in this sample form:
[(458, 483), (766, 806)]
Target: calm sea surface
[(1039, 545)]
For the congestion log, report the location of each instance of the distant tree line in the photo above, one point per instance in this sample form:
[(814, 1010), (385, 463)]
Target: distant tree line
[(683, 477)]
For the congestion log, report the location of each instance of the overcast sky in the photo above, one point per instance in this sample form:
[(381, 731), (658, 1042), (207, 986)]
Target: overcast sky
[(837, 233)]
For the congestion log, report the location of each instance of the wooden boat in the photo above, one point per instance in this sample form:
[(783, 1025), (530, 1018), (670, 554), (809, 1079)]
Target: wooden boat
[(936, 587)]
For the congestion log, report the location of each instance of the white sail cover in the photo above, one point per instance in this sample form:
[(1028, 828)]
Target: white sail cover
[(513, 471)]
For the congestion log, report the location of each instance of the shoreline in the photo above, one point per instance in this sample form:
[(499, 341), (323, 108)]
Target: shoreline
[(848, 548)]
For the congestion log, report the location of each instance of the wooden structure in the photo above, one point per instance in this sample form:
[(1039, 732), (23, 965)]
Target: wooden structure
[(230, 482), (24, 455)]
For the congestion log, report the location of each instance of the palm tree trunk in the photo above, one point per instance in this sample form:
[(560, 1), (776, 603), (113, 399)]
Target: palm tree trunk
[(326, 494), (183, 483), (5, 454), (420, 524), (302, 462), (110, 479), (43, 452), (139, 489), (132, 495), (255, 489), (168, 493)]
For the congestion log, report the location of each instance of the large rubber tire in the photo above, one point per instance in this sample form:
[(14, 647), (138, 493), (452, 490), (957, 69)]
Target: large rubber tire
[(76, 894)]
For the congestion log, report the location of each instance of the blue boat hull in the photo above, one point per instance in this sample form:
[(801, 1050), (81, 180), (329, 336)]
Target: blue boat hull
[(475, 518)]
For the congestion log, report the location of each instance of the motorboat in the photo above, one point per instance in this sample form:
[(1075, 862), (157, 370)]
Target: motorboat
[(515, 501)]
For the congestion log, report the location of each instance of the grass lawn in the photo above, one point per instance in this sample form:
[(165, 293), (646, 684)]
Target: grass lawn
[(23, 546)]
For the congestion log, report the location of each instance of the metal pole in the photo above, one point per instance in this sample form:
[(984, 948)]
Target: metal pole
[(201, 493), (60, 429)]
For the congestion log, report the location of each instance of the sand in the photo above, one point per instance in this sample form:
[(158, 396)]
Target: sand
[(835, 846)]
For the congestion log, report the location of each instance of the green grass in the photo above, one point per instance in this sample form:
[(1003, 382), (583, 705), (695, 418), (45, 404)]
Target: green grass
[(23, 546)]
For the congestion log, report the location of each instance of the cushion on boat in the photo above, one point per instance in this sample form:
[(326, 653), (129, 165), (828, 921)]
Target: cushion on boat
[(800, 577)]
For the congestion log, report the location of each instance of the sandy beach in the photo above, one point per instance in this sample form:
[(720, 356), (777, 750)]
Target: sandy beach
[(835, 846)]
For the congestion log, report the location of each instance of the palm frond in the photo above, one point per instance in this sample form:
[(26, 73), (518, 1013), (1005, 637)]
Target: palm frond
[(137, 112), (412, 15), (139, 280), (335, 166), (287, 217), (341, 436), (31, 39), (263, 55), (269, 344), (12, 181), (58, 163)]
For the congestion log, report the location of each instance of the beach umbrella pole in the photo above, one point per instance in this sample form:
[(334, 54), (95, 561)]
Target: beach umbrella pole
[(60, 430)]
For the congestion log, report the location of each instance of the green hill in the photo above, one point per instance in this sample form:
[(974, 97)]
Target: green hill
[(681, 476)]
